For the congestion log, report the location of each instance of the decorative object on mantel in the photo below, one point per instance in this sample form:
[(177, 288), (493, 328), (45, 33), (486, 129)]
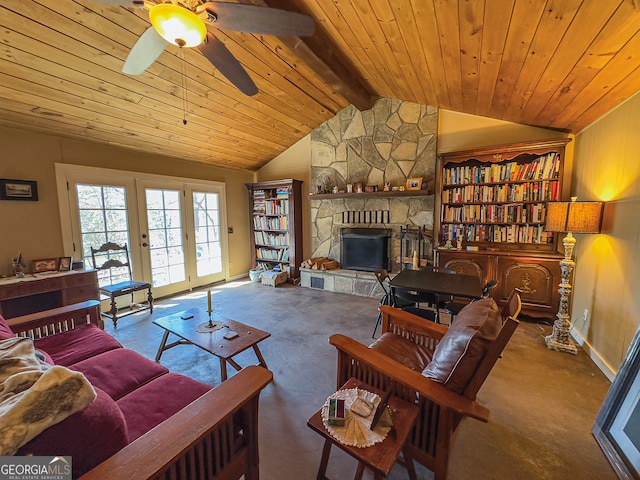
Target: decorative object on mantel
[(414, 183), (569, 217), (18, 189)]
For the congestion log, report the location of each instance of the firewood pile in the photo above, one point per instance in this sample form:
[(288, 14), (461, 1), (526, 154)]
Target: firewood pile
[(320, 263)]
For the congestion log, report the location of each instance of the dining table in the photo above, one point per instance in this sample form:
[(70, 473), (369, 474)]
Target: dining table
[(441, 284)]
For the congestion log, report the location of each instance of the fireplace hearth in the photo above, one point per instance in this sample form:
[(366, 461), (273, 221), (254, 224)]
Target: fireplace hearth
[(365, 249)]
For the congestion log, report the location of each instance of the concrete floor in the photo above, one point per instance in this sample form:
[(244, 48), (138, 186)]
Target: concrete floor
[(543, 403)]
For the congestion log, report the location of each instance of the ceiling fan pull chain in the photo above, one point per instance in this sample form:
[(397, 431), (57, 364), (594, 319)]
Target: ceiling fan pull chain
[(184, 89)]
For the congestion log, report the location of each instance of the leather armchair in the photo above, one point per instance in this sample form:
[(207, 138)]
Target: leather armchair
[(440, 369)]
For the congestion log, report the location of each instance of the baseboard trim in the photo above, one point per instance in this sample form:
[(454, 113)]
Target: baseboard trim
[(594, 355)]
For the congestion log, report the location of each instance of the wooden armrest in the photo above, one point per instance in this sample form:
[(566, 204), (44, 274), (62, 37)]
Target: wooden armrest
[(74, 312), (410, 322), (427, 387), (150, 454)]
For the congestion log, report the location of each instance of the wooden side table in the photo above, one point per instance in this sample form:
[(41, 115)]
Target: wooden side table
[(380, 457)]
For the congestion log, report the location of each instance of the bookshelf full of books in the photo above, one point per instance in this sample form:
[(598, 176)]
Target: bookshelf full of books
[(276, 225), (491, 211)]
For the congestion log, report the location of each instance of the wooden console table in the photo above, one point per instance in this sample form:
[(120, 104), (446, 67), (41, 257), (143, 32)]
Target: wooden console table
[(43, 291)]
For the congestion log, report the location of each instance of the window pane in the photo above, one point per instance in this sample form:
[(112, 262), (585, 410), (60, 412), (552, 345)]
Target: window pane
[(206, 219), (89, 196), (154, 199), (103, 217), (116, 220), (92, 221)]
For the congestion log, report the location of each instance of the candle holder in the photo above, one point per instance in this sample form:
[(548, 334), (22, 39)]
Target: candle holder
[(210, 326)]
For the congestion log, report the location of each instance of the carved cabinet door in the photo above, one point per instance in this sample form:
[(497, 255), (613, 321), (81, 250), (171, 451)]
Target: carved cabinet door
[(538, 278), (467, 264)]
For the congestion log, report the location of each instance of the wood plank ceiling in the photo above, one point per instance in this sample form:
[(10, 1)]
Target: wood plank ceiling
[(557, 64)]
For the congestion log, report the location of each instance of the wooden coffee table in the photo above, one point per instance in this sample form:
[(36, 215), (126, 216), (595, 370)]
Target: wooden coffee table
[(183, 325), (380, 457)]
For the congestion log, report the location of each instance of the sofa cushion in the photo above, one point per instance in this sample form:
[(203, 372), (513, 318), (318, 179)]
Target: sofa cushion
[(462, 348), (414, 356), (5, 330), (89, 436), (154, 402), (82, 342), (119, 371)]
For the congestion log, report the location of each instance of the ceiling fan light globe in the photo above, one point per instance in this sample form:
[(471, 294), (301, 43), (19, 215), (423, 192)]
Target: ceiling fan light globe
[(177, 25)]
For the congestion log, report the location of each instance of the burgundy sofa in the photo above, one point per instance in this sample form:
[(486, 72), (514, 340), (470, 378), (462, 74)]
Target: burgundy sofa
[(146, 421)]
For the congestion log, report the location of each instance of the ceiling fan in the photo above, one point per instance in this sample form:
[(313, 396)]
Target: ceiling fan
[(184, 23)]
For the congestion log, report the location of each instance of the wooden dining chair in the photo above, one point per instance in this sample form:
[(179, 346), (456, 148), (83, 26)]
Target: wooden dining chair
[(453, 308), (113, 260), (382, 276)]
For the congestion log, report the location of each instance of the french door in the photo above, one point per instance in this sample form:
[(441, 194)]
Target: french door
[(180, 235), (173, 227)]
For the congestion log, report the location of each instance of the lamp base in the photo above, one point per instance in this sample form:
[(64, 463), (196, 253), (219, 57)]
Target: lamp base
[(566, 345)]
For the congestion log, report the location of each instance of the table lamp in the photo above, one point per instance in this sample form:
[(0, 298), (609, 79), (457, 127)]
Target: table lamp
[(569, 217)]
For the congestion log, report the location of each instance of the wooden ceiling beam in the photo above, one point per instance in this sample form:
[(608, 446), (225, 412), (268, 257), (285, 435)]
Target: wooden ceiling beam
[(319, 54)]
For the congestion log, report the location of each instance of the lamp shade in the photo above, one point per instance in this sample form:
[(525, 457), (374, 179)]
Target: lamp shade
[(177, 25), (574, 217)]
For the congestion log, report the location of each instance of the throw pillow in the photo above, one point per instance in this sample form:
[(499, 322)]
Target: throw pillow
[(463, 347)]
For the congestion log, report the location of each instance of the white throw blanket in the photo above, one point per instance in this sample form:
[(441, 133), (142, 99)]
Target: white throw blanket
[(35, 395)]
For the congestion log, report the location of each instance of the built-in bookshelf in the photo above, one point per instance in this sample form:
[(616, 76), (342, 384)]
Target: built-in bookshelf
[(498, 200), (276, 225), (491, 206)]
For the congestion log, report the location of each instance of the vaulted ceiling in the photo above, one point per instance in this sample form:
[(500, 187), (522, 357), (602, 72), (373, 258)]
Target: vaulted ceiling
[(557, 64)]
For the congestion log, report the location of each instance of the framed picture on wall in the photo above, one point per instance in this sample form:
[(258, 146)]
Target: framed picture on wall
[(617, 426), (18, 189)]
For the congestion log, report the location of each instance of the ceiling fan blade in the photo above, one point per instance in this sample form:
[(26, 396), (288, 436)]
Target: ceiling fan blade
[(223, 60), (257, 19), (145, 51), (124, 3)]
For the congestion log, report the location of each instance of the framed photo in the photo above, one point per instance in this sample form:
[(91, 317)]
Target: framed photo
[(45, 265), (414, 183), (64, 264), (18, 190), (617, 426)]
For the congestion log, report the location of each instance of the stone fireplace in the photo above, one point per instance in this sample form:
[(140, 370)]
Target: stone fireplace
[(390, 143)]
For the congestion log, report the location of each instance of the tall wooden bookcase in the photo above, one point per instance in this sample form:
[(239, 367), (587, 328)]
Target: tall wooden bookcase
[(490, 214), (276, 224)]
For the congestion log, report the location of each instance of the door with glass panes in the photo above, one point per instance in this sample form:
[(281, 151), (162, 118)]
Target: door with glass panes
[(173, 229)]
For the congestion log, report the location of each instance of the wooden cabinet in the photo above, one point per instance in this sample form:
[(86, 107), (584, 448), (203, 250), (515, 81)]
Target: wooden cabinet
[(490, 216), (537, 275), (35, 293), (276, 224)]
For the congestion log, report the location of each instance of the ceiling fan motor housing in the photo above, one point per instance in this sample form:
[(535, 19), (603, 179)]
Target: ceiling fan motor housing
[(178, 25)]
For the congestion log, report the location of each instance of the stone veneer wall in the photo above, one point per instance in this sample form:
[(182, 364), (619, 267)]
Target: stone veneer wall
[(393, 141)]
